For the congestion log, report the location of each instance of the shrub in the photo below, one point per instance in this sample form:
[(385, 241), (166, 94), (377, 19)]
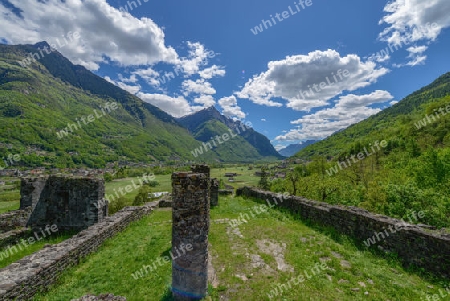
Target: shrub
[(142, 195), (117, 205)]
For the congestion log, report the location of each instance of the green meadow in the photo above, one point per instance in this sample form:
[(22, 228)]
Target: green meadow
[(255, 261)]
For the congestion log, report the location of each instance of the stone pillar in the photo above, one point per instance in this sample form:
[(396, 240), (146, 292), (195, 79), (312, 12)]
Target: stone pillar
[(190, 215), (214, 194), (201, 168)]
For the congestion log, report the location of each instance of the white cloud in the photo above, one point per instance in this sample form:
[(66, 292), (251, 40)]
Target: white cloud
[(133, 89), (309, 81), (197, 57), (380, 57), (108, 79), (149, 75), (130, 88), (393, 102), (414, 21), (348, 110), (175, 106), (351, 100), (418, 60), (198, 87), (131, 79), (263, 120), (211, 72), (205, 100), (278, 147), (230, 107), (417, 49), (105, 32)]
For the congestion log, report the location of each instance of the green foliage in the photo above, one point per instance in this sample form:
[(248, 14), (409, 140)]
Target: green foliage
[(412, 173), (117, 205), (152, 183), (142, 196), (38, 102), (108, 177), (264, 180), (221, 184)]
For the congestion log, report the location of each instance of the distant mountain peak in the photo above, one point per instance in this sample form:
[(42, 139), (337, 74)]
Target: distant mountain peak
[(292, 149), (41, 45), (195, 122)]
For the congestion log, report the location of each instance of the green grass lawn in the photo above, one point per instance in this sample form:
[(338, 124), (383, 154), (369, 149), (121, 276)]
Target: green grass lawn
[(247, 262), (30, 248), (9, 200), (245, 178), (113, 186)]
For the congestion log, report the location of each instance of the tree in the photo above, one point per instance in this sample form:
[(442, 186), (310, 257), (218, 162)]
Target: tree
[(142, 195), (264, 182), (294, 175)]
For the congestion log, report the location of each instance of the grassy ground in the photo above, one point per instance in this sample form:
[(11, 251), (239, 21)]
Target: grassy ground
[(21, 251), (245, 177), (251, 261), (9, 200)]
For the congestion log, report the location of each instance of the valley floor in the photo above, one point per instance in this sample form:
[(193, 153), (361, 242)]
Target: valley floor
[(268, 256)]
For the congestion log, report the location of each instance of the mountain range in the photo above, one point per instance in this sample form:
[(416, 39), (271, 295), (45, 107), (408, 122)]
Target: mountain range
[(56, 114), (292, 149), (209, 123)]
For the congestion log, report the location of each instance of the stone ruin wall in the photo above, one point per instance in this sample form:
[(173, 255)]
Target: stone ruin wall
[(414, 245), (71, 203), (36, 272), (14, 219)]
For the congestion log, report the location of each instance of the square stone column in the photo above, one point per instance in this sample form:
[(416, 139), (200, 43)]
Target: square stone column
[(190, 215)]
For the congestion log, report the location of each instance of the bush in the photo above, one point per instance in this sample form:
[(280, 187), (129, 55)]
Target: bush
[(152, 183), (117, 205), (108, 177), (142, 196)]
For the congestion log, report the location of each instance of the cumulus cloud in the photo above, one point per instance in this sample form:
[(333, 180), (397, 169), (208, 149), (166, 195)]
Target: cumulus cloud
[(150, 76), (197, 57), (414, 22), (351, 100), (205, 100), (197, 87), (211, 72), (133, 89), (310, 81), (279, 147), (349, 109), (175, 106), (118, 36), (230, 107)]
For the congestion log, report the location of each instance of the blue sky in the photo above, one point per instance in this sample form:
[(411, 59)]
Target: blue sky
[(284, 79)]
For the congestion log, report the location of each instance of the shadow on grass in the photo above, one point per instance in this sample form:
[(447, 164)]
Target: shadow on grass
[(167, 295), (166, 253)]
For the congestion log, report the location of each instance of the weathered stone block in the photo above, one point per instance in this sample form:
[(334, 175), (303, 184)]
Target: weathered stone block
[(214, 194), (190, 214), (70, 203)]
